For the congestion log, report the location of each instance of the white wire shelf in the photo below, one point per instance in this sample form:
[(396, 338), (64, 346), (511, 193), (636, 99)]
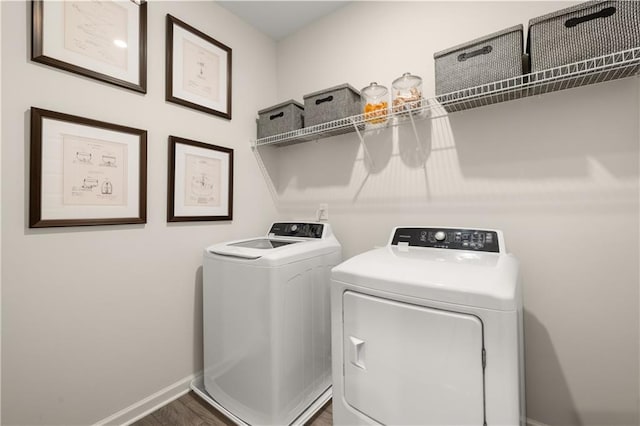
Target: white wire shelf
[(591, 71)]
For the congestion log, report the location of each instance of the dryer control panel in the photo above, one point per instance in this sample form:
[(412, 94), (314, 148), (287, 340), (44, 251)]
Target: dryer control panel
[(296, 229), (447, 238)]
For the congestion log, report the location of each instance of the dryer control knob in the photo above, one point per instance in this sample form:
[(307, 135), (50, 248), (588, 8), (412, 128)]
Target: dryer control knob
[(294, 227), (440, 236)]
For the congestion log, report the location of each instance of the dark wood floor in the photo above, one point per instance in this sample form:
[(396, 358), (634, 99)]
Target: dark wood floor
[(191, 410)]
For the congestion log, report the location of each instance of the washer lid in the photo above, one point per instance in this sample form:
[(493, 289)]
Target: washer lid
[(477, 279), (264, 243), (271, 252)]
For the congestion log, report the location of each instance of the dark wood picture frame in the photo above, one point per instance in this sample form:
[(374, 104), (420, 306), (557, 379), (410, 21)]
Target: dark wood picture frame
[(38, 55), (175, 63), (36, 193), (197, 213)]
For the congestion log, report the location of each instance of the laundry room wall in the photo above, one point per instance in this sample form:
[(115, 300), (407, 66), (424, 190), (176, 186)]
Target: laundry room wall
[(557, 173), (0, 218), (102, 323)]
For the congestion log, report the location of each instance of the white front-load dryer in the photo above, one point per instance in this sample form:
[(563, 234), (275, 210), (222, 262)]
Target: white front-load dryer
[(428, 331), (267, 325)]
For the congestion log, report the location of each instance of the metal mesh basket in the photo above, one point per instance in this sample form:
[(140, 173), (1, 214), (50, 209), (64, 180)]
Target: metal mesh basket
[(587, 30), (494, 57)]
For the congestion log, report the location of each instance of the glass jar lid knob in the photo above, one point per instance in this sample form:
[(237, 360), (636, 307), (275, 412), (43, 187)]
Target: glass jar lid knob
[(374, 89), (407, 81)]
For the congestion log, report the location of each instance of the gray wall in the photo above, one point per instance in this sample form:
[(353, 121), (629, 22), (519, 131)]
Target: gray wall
[(557, 173), (97, 319)]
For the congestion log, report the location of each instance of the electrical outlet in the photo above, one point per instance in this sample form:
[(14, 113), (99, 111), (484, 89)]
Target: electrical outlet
[(323, 212)]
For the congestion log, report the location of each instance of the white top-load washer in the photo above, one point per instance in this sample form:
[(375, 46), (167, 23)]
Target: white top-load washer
[(428, 331), (267, 326)]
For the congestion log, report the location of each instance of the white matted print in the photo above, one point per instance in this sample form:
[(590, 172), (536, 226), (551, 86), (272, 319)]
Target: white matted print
[(200, 185), (85, 172), (199, 79), (96, 31), (198, 70), (94, 171), (101, 39), (202, 179)]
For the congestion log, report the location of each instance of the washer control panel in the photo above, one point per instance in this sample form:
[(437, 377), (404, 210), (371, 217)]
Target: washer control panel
[(447, 238), (296, 229)]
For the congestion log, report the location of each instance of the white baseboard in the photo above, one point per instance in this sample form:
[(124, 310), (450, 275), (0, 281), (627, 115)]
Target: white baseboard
[(149, 404), (531, 422)]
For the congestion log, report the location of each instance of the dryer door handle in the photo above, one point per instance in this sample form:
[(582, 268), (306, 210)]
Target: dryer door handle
[(356, 352)]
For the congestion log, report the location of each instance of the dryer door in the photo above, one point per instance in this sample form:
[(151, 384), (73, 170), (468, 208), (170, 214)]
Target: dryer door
[(407, 364)]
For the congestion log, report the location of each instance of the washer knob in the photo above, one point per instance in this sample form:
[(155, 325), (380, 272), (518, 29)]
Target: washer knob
[(440, 236), (294, 227)]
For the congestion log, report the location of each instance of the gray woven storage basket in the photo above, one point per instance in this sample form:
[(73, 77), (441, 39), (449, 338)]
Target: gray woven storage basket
[(281, 118), (584, 31), (331, 104), (494, 57)]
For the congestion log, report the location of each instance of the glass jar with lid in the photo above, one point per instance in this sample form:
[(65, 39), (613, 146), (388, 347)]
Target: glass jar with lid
[(407, 93), (375, 103)]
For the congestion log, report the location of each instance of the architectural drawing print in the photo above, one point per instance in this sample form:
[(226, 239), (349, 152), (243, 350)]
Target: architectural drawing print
[(85, 183), (98, 30), (201, 71), (202, 181)]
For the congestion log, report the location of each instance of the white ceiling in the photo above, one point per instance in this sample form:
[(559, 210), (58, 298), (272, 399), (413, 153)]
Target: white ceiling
[(278, 19)]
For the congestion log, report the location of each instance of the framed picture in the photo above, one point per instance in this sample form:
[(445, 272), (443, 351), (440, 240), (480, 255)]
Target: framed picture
[(105, 40), (198, 70), (85, 172), (200, 181)]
